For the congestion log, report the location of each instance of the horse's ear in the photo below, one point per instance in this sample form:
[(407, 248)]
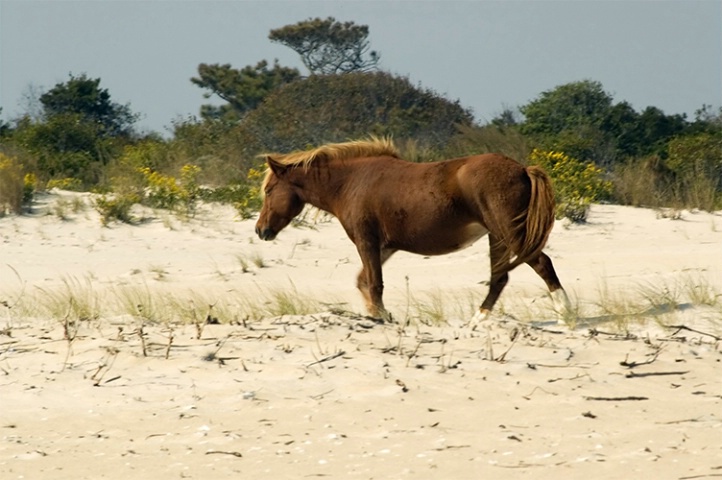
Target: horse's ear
[(276, 167)]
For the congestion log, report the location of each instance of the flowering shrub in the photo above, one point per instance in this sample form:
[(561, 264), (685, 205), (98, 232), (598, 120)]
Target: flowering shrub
[(30, 182), (576, 184), (116, 207), (11, 185), (163, 190), (67, 183), (180, 194), (249, 200)]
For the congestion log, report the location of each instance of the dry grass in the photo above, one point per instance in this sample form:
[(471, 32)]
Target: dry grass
[(81, 301)]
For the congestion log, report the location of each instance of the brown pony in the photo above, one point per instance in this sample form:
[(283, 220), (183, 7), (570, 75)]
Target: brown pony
[(387, 204)]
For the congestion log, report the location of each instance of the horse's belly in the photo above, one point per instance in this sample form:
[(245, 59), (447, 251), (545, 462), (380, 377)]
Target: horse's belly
[(441, 242), (472, 233)]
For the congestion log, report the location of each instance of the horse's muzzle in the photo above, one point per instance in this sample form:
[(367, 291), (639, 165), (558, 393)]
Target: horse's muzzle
[(265, 234)]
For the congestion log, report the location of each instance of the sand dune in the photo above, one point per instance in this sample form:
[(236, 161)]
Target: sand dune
[(334, 394)]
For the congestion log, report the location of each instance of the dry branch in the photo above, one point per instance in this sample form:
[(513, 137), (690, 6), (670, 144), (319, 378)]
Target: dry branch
[(616, 399), (326, 359), (684, 327)]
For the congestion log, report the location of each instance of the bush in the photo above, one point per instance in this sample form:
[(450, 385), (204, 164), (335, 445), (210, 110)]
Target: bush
[(333, 108), (506, 140), (116, 207), (12, 186), (576, 184), (30, 183), (640, 183), (170, 193), (696, 163), (67, 183), (689, 177)]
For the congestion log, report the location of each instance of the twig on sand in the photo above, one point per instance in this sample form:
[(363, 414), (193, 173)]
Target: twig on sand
[(141, 334), (617, 399), (514, 334), (709, 475), (528, 396), (653, 374), (413, 354), (593, 332), (221, 452), (170, 344), (684, 327), (327, 358), (633, 364)]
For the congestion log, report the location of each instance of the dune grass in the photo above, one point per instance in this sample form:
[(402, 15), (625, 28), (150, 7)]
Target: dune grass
[(74, 301), (78, 301)]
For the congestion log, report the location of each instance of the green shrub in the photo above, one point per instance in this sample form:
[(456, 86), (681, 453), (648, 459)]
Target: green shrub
[(12, 186), (696, 164), (689, 177), (332, 108), (576, 184)]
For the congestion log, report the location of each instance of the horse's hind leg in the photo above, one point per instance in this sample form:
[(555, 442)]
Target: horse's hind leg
[(370, 281), (542, 265), (499, 255)]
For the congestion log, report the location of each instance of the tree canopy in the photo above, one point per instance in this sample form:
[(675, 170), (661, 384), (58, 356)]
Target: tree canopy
[(80, 130), (329, 108), (329, 47), (581, 119), (243, 89), (83, 96)]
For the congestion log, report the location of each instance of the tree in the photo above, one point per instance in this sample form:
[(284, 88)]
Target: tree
[(581, 120), (655, 130), (83, 96), (4, 127), (332, 108), (327, 46), (507, 118), (80, 130), (243, 89), (568, 118)]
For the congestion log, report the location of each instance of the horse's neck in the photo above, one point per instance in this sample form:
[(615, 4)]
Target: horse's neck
[(321, 184)]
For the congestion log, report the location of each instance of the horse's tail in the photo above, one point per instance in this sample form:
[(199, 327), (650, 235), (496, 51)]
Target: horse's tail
[(534, 225)]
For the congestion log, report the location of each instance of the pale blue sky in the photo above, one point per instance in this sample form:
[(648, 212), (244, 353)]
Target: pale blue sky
[(487, 54)]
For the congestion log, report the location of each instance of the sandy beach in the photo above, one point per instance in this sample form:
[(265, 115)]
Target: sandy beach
[(631, 389)]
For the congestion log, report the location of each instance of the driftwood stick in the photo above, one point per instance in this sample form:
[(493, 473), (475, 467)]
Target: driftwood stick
[(616, 399), (654, 374), (684, 327), (326, 359), (633, 364)]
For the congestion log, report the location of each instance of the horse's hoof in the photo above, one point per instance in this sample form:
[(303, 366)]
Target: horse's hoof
[(563, 308), (381, 316), (480, 316)]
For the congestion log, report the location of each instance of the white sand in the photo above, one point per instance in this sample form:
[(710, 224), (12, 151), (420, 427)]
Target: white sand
[(340, 396)]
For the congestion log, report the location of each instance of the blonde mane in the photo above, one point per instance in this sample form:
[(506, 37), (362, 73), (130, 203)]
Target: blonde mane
[(373, 147)]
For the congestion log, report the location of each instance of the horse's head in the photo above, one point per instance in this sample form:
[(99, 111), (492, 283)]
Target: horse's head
[(281, 202)]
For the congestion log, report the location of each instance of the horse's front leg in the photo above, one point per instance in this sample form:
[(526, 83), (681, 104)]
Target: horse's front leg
[(370, 279)]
